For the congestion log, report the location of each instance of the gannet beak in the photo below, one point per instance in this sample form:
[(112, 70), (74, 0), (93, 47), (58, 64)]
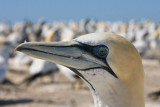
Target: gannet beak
[(70, 54)]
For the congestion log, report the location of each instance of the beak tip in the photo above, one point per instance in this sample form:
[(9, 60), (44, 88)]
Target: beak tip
[(19, 47)]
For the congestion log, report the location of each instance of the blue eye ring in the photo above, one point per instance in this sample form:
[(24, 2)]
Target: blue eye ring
[(102, 51)]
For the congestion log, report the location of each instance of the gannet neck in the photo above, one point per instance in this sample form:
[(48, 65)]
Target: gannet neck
[(108, 91)]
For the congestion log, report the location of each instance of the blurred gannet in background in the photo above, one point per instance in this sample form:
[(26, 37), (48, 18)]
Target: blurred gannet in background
[(115, 27), (90, 26), (73, 26), (130, 35), (141, 43), (100, 27), (108, 63), (4, 56), (39, 68), (5, 29), (21, 59), (19, 34), (86, 26)]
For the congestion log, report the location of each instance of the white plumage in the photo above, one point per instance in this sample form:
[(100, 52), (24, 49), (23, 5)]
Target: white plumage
[(4, 55), (41, 66), (21, 59)]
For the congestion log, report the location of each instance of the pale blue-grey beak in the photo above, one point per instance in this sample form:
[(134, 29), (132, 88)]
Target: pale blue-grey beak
[(70, 54)]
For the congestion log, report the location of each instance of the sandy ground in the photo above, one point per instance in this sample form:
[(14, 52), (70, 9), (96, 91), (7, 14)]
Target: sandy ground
[(61, 93)]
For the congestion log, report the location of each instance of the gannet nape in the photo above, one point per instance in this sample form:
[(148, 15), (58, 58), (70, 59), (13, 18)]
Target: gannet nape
[(108, 64)]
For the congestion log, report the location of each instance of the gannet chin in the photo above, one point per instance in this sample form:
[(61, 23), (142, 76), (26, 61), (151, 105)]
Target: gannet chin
[(108, 63)]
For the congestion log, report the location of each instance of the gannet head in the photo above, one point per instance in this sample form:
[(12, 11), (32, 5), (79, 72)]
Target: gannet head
[(108, 63)]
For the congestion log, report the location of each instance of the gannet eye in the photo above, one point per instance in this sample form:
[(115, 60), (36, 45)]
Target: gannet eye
[(102, 51)]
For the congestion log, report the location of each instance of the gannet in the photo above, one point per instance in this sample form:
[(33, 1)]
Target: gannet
[(18, 35), (141, 43), (109, 64), (21, 59), (39, 68), (4, 56)]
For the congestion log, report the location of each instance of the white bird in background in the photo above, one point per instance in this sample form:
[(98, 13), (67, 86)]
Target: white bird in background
[(100, 27), (4, 56), (131, 31), (21, 59), (108, 63), (18, 35), (39, 68), (5, 29), (141, 44)]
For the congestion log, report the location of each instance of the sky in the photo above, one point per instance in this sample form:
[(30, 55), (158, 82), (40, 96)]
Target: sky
[(66, 10)]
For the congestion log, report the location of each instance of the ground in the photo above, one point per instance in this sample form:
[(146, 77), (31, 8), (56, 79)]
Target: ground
[(61, 93)]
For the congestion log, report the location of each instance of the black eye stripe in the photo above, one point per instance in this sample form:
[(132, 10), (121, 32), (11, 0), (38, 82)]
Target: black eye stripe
[(92, 51)]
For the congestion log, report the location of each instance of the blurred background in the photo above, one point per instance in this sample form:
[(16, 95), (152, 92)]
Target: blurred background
[(31, 82)]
